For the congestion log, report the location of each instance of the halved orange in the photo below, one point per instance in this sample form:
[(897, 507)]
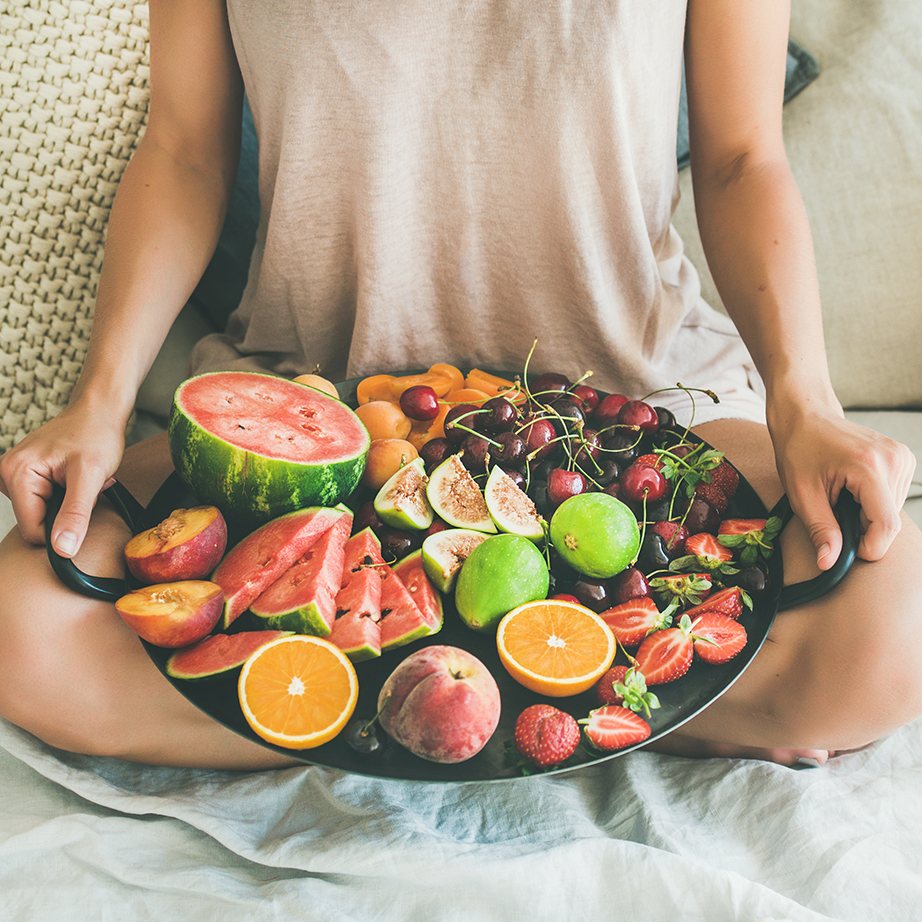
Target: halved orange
[(555, 648), (298, 691)]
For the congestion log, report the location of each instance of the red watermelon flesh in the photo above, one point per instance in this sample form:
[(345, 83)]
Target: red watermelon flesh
[(264, 555), (413, 575), (401, 619), (303, 598), (217, 654), (358, 608)]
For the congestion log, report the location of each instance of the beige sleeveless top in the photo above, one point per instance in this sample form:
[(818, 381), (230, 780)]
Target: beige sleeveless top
[(451, 181)]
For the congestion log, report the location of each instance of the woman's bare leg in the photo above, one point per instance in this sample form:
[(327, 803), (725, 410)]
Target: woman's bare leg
[(72, 672), (833, 675)]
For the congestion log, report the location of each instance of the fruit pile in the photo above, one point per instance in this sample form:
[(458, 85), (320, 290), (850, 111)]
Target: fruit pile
[(576, 527)]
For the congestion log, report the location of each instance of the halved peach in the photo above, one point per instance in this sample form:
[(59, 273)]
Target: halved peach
[(173, 614), (188, 544)]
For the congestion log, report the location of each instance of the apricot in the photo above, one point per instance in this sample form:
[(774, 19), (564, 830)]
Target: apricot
[(318, 383), (374, 387), (384, 420), (385, 458)]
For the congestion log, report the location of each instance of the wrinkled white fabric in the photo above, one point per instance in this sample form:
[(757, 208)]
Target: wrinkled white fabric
[(644, 838)]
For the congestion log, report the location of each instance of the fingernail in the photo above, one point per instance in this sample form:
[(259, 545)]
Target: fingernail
[(66, 543)]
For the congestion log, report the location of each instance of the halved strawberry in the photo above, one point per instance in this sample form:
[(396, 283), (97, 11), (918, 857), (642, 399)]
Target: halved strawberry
[(631, 621), (614, 727), (717, 638), (741, 526), (687, 588), (750, 538), (707, 549), (626, 687), (665, 655), (728, 602)]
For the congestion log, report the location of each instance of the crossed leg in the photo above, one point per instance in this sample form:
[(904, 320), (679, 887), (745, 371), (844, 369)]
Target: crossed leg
[(836, 674)]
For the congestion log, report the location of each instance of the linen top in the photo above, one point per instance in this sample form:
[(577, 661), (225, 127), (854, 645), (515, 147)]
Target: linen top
[(445, 181)]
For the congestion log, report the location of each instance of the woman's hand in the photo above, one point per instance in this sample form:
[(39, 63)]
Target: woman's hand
[(819, 454), (79, 449)]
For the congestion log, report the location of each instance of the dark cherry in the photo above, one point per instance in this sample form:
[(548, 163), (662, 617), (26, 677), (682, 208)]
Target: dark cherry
[(673, 535), (621, 446), (652, 554), (588, 448), (593, 593), (474, 452), (512, 450), (628, 584), (606, 413), (544, 386), (539, 435), (420, 402), (363, 736), (366, 517), (637, 413), (666, 418), (562, 484), (752, 579), (567, 416), (460, 421), (537, 490), (435, 451), (701, 517), (397, 543), (640, 481), (609, 473), (587, 396), (516, 476), (500, 416)]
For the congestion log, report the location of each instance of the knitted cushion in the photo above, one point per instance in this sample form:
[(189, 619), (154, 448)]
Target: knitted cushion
[(73, 102)]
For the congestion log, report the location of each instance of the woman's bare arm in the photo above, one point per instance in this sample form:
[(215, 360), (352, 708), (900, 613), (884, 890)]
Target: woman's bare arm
[(162, 231), (756, 237)]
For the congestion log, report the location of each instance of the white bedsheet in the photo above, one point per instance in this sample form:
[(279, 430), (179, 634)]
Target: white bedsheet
[(641, 838)]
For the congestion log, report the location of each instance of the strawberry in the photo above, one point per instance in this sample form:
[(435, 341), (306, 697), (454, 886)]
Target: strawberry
[(631, 621), (751, 538), (614, 727), (626, 687), (709, 551), (687, 588), (728, 602), (718, 486), (665, 655), (546, 735), (651, 460), (717, 638)]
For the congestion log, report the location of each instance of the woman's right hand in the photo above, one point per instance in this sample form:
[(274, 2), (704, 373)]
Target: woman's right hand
[(80, 449)]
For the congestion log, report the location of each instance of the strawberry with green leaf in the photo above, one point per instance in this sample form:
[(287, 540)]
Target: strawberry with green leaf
[(729, 602), (687, 588), (749, 538), (631, 621), (704, 552), (614, 727)]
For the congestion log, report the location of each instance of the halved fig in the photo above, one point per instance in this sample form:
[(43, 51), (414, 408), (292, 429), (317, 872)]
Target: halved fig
[(454, 495), (511, 508), (402, 501), (444, 551)]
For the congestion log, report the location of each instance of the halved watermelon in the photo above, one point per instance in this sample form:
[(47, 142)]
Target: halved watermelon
[(302, 599), (257, 446), (258, 560)]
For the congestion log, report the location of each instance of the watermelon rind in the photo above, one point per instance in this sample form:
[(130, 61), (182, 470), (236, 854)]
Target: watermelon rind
[(260, 558), (267, 463), (303, 598), (217, 654)]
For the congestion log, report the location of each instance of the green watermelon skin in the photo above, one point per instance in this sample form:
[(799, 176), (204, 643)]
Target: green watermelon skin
[(217, 654), (303, 598), (260, 558), (402, 621), (258, 446)]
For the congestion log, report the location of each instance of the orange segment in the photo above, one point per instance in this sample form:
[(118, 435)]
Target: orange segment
[(555, 648), (298, 691)]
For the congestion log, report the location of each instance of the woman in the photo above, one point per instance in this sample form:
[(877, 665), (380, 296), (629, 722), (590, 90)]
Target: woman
[(446, 185)]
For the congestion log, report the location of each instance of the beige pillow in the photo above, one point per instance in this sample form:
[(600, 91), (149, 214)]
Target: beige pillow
[(73, 102)]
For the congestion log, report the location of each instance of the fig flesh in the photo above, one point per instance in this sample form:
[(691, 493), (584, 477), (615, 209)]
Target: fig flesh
[(511, 509), (454, 495), (402, 501)]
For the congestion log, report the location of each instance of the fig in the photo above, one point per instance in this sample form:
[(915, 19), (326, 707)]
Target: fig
[(454, 495), (402, 501), (511, 509), (445, 551)]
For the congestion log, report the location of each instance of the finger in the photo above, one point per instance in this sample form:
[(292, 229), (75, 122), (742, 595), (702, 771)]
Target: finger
[(73, 519), (29, 502), (814, 509), (881, 518)]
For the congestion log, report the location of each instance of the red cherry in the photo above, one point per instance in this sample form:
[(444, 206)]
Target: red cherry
[(640, 481), (562, 484), (587, 396), (566, 597), (606, 413), (639, 414), (420, 402)]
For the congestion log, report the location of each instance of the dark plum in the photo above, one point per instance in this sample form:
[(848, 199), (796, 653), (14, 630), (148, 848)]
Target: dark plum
[(397, 543), (753, 579)]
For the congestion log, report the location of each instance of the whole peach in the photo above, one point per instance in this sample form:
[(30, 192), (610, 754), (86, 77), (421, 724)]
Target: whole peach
[(441, 703)]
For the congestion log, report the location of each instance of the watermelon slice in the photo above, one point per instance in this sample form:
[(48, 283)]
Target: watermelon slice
[(413, 574), (401, 622), (257, 561), (302, 599), (358, 607), (257, 446), (217, 654)]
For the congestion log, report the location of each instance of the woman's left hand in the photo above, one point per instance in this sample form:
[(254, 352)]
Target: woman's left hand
[(820, 454)]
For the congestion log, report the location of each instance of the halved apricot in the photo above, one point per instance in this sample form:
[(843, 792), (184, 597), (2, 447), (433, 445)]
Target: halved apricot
[(493, 385), (449, 371), (441, 384), (467, 395), (375, 387)]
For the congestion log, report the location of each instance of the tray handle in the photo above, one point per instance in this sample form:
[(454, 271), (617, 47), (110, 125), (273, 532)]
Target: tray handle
[(847, 512), (106, 588)]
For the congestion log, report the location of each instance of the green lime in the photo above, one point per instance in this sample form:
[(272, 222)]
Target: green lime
[(500, 574), (595, 534)]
